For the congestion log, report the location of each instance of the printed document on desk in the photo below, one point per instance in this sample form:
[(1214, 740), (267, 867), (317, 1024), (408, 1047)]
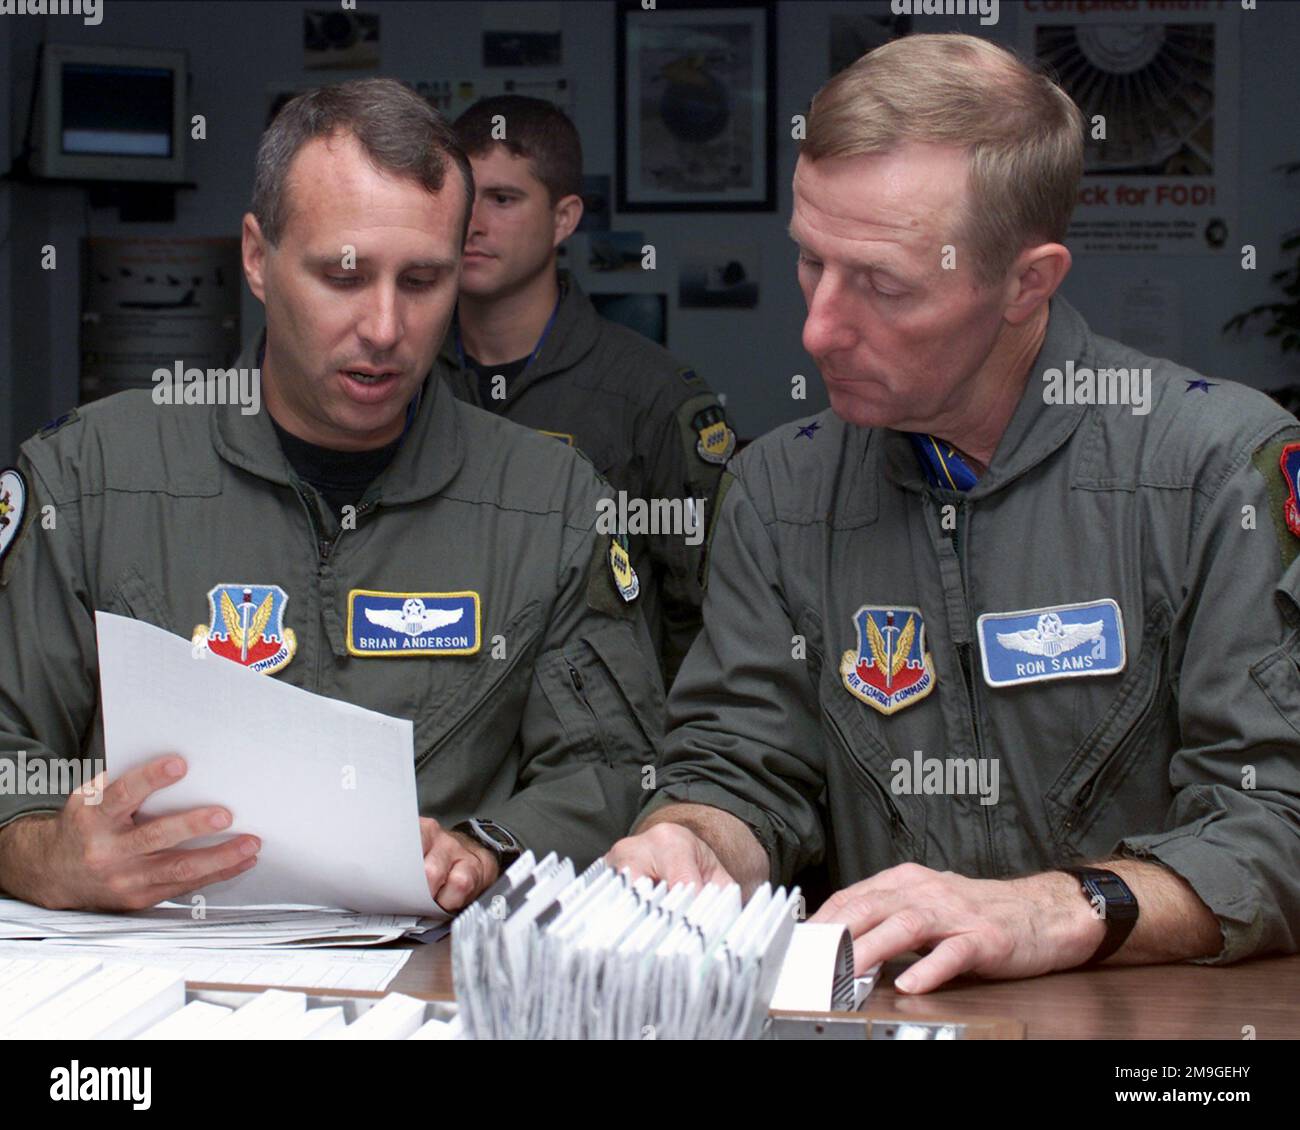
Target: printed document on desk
[(329, 788)]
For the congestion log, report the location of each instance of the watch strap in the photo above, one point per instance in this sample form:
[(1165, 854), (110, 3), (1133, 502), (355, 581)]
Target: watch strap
[(1119, 914), (498, 839)]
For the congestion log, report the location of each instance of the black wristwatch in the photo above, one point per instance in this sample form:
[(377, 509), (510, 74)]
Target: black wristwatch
[(498, 840), (1119, 907)]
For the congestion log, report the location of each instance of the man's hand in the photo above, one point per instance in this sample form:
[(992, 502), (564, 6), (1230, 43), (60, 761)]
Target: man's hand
[(991, 927), (458, 868), (669, 852), (104, 856)]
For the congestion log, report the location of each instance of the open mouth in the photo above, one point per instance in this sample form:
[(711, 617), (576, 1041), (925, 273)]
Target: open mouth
[(369, 388)]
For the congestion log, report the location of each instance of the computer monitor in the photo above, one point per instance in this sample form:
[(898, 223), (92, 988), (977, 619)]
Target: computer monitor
[(111, 113)]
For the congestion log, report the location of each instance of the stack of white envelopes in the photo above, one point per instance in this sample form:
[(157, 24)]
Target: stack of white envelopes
[(549, 954)]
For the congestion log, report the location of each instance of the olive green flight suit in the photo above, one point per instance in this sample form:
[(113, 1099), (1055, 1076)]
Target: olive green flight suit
[(1187, 754), (544, 726)]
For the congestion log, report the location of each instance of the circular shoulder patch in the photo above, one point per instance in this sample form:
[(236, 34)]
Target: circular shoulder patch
[(13, 504)]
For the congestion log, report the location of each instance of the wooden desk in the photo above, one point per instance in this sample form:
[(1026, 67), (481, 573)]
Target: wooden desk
[(1170, 1002)]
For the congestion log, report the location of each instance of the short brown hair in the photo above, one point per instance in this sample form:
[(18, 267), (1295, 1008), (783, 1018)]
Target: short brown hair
[(535, 129), (1022, 133), (399, 131)]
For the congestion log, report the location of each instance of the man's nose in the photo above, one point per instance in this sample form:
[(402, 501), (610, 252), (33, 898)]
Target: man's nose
[(831, 323), (381, 326), (477, 220)]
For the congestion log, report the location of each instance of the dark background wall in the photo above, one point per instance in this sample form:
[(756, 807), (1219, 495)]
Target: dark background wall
[(239, 50)]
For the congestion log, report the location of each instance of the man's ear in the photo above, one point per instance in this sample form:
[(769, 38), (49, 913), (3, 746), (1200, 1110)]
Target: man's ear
[(1034, 278), (567, 213), (254, 249)]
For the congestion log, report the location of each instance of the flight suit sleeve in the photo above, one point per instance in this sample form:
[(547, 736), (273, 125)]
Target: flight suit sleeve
[(743, 730), (688, 443), (593, 720), (48, 659), (1233, 829)]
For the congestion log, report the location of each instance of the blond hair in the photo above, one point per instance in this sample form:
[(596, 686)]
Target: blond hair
[(1022, 133)]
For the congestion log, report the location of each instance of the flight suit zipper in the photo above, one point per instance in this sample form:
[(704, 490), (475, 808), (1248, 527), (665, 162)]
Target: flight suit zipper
[(324, 547), (965, 658), (1084, 796), (575, 677)]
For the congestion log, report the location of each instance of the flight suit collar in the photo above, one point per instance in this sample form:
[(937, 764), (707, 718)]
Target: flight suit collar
[(1036, 428), (431, 452), (571, 338)]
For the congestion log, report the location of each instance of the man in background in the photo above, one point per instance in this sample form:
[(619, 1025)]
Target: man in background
[(527, 344)]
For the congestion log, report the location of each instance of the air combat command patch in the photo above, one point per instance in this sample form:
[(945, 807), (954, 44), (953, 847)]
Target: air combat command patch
[(890, 668), (246, 624), (1289, 460), (1278, 464)]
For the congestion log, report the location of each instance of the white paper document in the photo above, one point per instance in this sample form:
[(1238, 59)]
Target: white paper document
[(329, 788), (173, 924), (354, 970)]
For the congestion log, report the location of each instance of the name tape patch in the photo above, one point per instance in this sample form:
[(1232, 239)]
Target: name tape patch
[(1060, 642), (413, 623)]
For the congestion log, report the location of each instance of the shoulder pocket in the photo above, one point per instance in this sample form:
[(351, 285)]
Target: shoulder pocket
[(609, 702)]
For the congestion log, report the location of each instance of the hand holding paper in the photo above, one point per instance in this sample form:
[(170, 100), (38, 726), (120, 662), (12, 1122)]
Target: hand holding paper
[(96, 853), (327, 787), (457, 870)]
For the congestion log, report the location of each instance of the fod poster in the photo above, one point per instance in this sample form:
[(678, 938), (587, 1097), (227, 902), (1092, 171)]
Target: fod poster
[(149, 302), (1158, 87)]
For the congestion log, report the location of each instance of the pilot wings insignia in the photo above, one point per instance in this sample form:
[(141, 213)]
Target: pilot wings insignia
[(413, 618), (1052, 639)]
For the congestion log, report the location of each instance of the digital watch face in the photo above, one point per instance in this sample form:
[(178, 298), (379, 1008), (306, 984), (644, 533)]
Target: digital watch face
[(1113, 891)]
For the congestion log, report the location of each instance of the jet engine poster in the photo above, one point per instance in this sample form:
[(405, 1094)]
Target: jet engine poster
[(1158, 87)]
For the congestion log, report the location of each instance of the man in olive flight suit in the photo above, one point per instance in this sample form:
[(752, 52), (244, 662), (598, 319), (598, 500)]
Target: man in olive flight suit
[(529, 345), (391, 547), (980, 622)]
